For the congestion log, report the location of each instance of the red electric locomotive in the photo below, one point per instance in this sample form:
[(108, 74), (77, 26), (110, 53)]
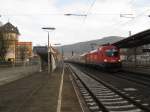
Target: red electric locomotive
[(106, 56)]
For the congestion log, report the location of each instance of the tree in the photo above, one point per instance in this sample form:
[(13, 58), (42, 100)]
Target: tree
[(23, 52)]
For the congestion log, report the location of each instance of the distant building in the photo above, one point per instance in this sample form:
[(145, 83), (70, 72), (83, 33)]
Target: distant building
[(8, 39), (24, 50)]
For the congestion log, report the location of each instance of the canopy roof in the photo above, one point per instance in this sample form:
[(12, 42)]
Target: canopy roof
[(136, 40)]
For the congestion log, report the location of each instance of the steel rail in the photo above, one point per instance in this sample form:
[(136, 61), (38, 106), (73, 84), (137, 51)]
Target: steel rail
[(102, 107), (118, 92), (133, 78)]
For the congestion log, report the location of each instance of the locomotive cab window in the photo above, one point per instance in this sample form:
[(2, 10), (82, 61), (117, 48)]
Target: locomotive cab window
[(112, 52)]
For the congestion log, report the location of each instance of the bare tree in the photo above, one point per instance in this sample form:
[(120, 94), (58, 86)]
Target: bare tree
[(23, 52)]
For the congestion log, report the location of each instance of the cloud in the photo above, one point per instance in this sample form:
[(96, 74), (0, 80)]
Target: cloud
[(103, 19)]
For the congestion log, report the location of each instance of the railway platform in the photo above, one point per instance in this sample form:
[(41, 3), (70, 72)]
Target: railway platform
[(57, 95), (40, 92)]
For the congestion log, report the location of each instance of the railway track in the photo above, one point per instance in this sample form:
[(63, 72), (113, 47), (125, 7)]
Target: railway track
[(102, 97), (134, 77), (138, 78)]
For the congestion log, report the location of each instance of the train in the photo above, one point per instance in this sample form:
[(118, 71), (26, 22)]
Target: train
[(105, 56)]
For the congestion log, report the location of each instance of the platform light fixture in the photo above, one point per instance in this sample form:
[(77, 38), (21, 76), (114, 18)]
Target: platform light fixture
[(127, 15), (69, 14), (48, 29)]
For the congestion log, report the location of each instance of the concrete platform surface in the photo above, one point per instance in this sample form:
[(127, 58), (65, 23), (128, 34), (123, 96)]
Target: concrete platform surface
[(39, 92)]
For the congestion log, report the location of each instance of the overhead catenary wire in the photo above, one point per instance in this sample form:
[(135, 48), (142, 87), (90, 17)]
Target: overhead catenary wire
[(126, 23), (32, 14), (130, 2), (89, 10), (139, 15), (92, 3), (91, 6)]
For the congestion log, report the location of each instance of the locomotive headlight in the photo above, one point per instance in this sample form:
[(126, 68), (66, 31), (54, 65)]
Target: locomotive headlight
[(105, 60), (119, 60)]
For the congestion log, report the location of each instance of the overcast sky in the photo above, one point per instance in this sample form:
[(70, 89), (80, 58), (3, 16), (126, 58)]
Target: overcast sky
[(103, 19)]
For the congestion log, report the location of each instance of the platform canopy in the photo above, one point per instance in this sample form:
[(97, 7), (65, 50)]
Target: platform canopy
[(136, 40), (42, 51)]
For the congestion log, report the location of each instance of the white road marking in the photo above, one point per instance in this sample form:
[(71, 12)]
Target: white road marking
[(60, 92)]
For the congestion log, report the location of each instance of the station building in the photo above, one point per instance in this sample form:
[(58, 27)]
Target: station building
[(8, 39), (10, 48)]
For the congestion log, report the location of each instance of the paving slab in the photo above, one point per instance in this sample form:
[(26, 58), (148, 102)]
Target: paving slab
[(46, 99)]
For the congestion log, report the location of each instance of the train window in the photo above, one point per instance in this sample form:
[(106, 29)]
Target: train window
[(112, 52)]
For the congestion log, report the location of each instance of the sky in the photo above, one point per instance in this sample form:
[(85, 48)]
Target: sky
[(103, 19)]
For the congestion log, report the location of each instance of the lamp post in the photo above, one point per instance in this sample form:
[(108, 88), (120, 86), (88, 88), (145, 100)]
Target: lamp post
[(48, 29), (127, 15), (69, 14)]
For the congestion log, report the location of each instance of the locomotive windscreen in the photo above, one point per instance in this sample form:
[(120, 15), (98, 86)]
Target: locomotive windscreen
[(112, 52)]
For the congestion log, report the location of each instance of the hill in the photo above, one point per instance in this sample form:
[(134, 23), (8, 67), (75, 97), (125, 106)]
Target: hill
[(82, 47)]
